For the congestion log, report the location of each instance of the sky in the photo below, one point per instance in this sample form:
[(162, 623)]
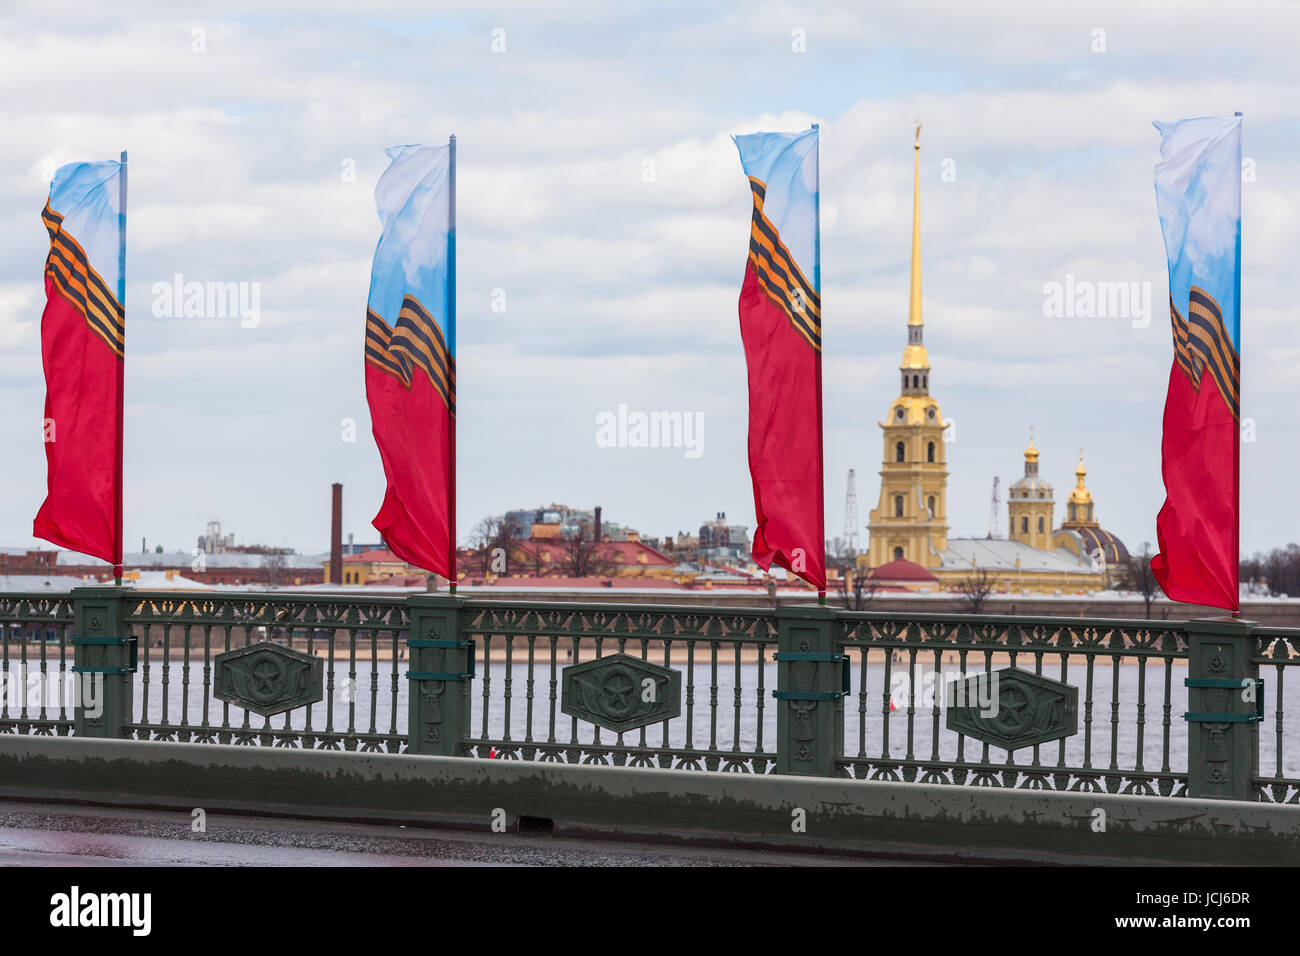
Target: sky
[(603, 224)]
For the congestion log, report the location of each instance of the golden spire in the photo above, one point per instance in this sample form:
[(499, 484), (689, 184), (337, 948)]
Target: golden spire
[(914, 303), (914, 356), (1031, 453), (1080, 495)]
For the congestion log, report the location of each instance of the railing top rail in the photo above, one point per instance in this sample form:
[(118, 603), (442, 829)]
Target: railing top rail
[(1290, 633), (263, 597), (1021, 620), (18, 605), (630, 608)]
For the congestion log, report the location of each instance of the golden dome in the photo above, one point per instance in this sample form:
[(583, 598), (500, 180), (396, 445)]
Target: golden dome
[(1080, 495), (1031, 453)]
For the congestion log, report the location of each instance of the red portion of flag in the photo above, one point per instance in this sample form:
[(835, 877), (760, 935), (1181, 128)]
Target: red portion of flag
[(83, 433), (784, 437), (414, 430), (1197, 527)]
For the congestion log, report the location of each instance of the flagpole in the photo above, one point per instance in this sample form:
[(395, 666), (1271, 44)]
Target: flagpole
[(817, 283), (1236, 445), (451, 341), (121, 368)]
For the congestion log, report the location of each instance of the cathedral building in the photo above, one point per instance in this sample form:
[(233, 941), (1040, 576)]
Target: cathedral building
[(908, 530)]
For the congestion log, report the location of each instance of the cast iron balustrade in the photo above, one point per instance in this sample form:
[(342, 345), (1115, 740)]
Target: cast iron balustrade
[(1138, 707)]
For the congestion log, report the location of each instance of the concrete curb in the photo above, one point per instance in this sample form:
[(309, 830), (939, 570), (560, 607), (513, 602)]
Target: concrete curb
[(914, 821)]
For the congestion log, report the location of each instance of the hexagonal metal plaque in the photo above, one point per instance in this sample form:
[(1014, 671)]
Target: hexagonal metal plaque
[(268, 679), (621, 692), (1013, 708)]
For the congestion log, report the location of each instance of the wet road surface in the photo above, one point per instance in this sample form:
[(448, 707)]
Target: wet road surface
[(53, 835)]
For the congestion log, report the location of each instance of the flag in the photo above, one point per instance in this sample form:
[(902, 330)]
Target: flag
[(780, 324), (410, 355), (83, 332), (1198, 197)]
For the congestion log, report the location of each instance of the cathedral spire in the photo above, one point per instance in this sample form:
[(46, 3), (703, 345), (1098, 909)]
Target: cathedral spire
[(914, 303), (916, 363)]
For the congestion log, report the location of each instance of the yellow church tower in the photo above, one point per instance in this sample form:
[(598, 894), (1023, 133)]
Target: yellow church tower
[(1079, 506), (1030, 505), (911, 520)]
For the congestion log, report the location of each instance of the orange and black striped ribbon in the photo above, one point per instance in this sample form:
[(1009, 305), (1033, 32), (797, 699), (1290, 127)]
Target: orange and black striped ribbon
[(786, 286), (1202, 343), (70, 269), (415, 342)]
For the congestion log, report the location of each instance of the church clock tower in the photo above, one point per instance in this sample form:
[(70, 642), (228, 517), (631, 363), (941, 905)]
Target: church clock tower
[(911, 520)]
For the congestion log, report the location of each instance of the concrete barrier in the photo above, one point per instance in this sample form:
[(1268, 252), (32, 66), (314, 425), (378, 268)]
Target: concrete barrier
[(911, 821)]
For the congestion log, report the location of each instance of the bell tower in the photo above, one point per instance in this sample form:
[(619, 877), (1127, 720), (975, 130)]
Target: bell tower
[(911, 520), (1030, 505)]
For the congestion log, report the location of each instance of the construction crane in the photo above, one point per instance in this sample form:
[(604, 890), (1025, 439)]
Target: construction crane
[(994, 522), (851, 513)]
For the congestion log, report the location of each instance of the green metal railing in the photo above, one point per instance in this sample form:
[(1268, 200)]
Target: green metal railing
[(1137, 707)]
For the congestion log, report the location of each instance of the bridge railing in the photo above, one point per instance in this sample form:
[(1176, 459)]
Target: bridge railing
[(1139, 707)]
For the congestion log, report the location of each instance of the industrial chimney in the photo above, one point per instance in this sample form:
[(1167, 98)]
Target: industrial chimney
[(595, 531), (336, 534)]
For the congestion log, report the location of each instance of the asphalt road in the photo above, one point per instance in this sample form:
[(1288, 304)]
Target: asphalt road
[(53, 835)]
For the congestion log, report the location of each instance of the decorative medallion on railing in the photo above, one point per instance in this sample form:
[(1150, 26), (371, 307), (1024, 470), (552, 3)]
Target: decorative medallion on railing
[(621, 692), (1013, 708), (268, 679)]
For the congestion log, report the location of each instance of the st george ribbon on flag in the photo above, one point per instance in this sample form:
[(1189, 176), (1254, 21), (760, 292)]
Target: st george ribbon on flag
[(83, 338), (1198, 197), (780, 325), (410, 355)]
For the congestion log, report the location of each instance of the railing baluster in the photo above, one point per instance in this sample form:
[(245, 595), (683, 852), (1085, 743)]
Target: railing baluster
[(207, 673), (528, 690), (374, 681), (487, 681), (507, 683), (713, 695), (1141, 712), (185, 687), (735, 735), (552, 688)]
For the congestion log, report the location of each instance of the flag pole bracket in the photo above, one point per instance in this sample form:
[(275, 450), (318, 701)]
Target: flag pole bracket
[(818, 657), (131, 643), (1224, 683), (446, 644)]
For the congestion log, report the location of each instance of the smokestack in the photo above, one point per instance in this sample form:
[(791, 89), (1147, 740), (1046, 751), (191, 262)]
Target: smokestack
[(336, 534), (595, 532)]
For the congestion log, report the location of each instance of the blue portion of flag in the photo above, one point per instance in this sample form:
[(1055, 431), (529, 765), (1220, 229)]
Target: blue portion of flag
[(778, 161), (411, 259), (87, 196), (1198, 196)]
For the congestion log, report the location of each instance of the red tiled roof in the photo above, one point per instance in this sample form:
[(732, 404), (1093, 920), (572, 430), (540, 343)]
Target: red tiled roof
[(378, 554), (588, 582), (619, 552)]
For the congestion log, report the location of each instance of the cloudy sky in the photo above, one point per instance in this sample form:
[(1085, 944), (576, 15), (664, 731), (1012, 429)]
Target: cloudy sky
[(601, 201)]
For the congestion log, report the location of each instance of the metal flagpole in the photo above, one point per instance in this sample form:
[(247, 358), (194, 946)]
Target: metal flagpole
[(121, 369), (817, 283), (451, 342), (1236, 445)]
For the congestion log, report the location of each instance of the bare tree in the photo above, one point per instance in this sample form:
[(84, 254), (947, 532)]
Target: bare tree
[(492, 544), (857, 589), (273, 569), (976, 586), (1141, 578), (584, 557)]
